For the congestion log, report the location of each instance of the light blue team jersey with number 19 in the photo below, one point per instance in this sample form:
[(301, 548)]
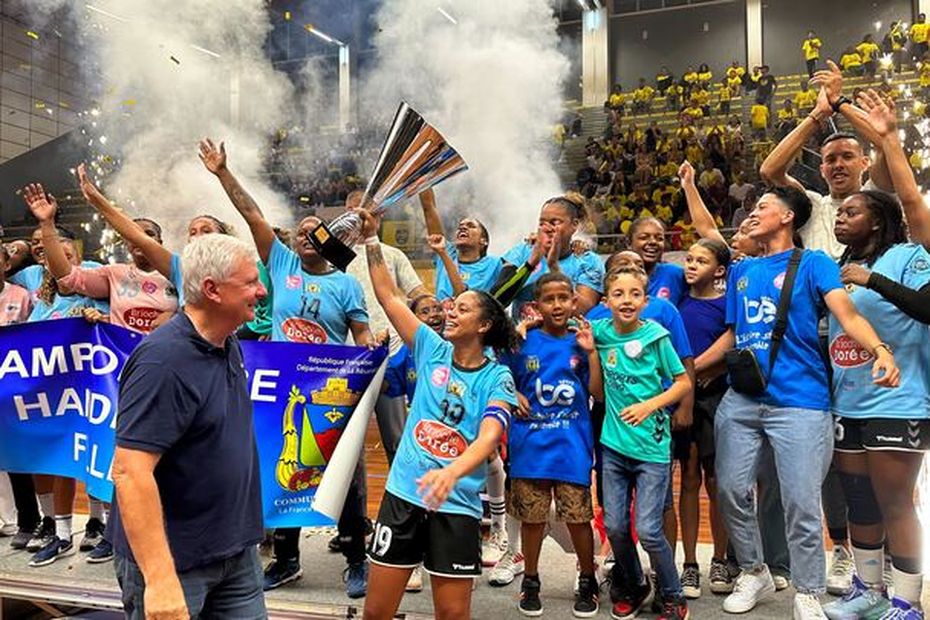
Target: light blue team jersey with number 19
[(447, 410)]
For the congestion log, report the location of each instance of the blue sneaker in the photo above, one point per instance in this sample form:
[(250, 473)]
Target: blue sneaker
[(356, 578), (55, 549), (902, 610), (103, 552), (281, 572), (861, 602)]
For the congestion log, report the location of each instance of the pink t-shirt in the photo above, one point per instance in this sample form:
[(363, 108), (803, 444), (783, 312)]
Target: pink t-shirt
[(136, 297), (15, 304)]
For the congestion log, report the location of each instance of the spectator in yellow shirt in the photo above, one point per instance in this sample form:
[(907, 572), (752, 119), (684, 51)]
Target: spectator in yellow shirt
[(751, 82), (923, 70), (616, 103), (702, 97), (735, 74), (918, 35), (705, 76), (694, 153), (724, 94), (811, 49), (690, 78), (806, 98), (851, 62), (694, 109), (642, 97), (673, 96), (787, 119), (759, 120), (869, 53), (664, 79), (685, 130)]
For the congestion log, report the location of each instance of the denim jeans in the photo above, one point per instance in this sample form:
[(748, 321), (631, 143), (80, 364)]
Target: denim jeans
[(623, 476), (227, 589), (802, 443)]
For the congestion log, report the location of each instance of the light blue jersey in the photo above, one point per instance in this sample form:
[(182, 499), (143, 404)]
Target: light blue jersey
[(585, 270), (799, 378), (447, 410), (62, 306), (175, 278), (854, 393), (308, 307), (480, 275)]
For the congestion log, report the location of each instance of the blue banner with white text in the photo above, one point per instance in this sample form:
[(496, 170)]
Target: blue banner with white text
[(58, 405)]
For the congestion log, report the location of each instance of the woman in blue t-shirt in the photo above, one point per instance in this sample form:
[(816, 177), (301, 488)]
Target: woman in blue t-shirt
[(882, 435), (666, 280), (431, 511), (551, 250)]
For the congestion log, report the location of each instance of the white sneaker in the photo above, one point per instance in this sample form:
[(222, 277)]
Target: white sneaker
[(781, 582), (749, 589), (415, 581), (839, 576), (807, 607), (494, 548), (8, 529), (505, 571)]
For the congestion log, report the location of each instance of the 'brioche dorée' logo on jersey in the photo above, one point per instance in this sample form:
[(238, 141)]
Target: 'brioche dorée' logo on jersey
[(439, 440), (440, 376), (847, 353), (301, 330), (140, 318)]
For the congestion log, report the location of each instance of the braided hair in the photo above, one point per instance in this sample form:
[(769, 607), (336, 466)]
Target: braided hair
[(886, 213)]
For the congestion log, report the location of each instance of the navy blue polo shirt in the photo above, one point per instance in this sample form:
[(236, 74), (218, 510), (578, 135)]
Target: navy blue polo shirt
[(188, 400)]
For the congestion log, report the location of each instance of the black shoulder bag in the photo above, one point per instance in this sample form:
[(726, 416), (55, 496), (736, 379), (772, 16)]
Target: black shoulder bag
[(746, 375)]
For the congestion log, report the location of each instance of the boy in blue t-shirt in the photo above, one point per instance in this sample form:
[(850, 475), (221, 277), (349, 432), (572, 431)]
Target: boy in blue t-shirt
[(551, 443)]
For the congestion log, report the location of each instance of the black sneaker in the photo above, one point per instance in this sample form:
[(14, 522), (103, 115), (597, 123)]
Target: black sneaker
[(56, 548), (280, 572), (42, 536), (93, 534), (691, 581), (586, 605), (335, 545), (632, 602), (530, 605), (103, 552), (721, 580), (21, 538)]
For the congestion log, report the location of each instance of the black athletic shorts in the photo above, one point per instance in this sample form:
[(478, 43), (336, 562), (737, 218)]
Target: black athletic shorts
[(861, 434), (448, 545)]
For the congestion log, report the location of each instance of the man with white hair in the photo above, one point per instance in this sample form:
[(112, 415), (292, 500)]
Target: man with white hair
[(187, 510)]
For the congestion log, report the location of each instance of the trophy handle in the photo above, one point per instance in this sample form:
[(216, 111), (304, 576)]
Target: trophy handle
[(329, 246)]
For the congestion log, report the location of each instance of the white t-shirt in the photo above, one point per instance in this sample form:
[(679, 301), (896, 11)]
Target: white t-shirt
[(405, 276), (817, 234)]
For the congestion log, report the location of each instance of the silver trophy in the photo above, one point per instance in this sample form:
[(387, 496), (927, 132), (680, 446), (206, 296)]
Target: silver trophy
[(414, 158)]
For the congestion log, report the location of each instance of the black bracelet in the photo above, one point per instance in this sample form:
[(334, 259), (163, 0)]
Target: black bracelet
[(836, 105)]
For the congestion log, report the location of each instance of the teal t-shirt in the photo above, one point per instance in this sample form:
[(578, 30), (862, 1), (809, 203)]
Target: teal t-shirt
[(634, 366)]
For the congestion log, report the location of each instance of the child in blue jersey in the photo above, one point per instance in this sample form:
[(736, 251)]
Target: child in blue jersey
[(466, 255), (635, 356), (666, 280), (551, 442), (400, 377), (703, 309), (882, 435), (551, 250), (431, 512)]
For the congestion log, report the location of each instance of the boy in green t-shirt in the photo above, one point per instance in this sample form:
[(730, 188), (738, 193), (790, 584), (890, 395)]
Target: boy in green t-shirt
[(635, 356)]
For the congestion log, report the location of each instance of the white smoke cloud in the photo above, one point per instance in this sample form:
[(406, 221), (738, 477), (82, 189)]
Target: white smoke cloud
[(492, 84), (172, 73)]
